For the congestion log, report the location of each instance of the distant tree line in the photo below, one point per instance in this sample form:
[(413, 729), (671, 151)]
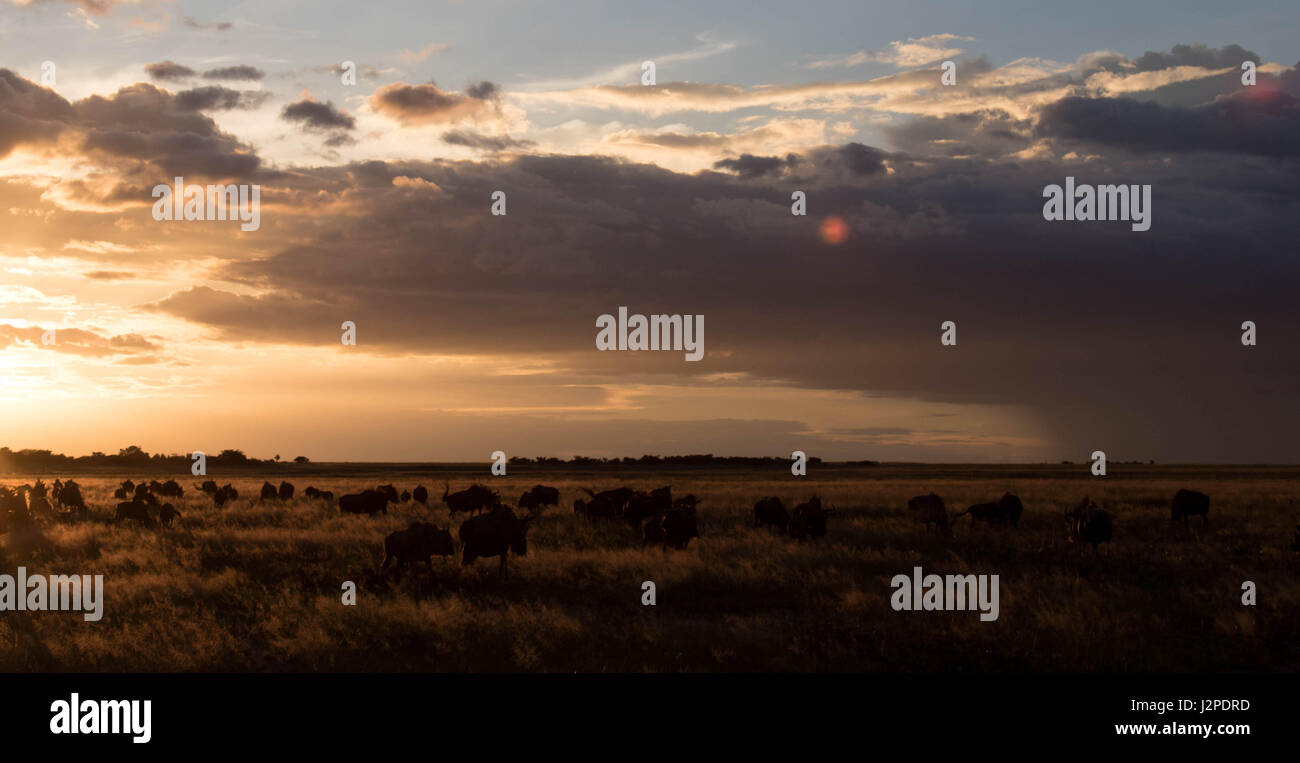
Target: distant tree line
[(132, 456)]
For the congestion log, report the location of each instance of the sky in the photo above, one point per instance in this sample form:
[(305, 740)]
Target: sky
[(477, 332)]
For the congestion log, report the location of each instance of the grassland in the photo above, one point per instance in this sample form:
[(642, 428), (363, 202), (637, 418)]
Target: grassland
[(256, 586)]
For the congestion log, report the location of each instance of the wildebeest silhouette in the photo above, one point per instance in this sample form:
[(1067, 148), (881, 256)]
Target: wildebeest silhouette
[(421, 495), (770, 512), (285, 492), (171, 489), (1188, 503), (474, 498), (611, 502), (680, 527), (224, 494), (653, 532), (137, 510), (597, 508), (389, 491), (318, 495), (808, 520), (1087, 523), (269, 493), (406, 496), (930, 510), (167, 514), (1006, 511), (642, 505), (496, 533), (366, 502), (417, 543), (539, 496), (70, 498)]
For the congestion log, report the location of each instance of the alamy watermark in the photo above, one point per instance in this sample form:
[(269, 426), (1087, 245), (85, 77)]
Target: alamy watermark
[(656, 332), (213, 202), (1103, 202), (53, 593), (931, 593)]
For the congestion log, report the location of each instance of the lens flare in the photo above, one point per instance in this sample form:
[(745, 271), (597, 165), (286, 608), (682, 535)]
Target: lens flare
[(834, 230)]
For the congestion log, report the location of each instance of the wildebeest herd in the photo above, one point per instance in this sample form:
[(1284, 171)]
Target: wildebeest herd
[(495, 530)]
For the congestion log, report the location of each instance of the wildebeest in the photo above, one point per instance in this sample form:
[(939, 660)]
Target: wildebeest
[(539, 496), (1087, 523), (597, 508), (70, 498), (137, 510), (1188, 503), (808, 520), (474, 498), (166, 514), (224, 494), (125, 491), (285, 493), (770, 512), (171, 489), (930, 510), (269, 493), (642, 505), (318, 495), (1006, 511), (653, 532), (421, 495), (366, 502), (406, 496), (494, 534), (608, 503), (680, 527), (208, 487), (417, 543)]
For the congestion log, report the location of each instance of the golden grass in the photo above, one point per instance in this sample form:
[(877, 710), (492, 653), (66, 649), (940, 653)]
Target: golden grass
[(256, 587)]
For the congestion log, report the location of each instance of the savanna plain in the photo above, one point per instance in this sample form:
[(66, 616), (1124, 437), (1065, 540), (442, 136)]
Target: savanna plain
[(257, 585)]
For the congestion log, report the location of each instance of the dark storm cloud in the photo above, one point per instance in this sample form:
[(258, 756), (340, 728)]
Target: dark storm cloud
[(318, 116), (750, 166), (169, 71), (246, 73), (1265, 122), (217, 98), (1196, 55), (991, 133), (141, 131), (1056, 318), (430, 104), (481, 142)]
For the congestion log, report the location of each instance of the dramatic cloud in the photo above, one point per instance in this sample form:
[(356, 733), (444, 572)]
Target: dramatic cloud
[(169, 71), (315, 115), (247, 73), (481, 142), (429, 104), (217, 98)]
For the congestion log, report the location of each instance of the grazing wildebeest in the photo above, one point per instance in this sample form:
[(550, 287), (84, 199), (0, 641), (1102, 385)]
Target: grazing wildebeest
[(366, 502), (770, 512), (653, 532), (494, 534), (224, 494), (538, 496), (809, 520), (269, 493), (474, 498), (70, 498), (137, 510), (421, 495), (596, 508), (208, 487), (680, 527), (389, 491), (930, 510), (612, 502), (417, 543), (652, 504), (56, 494), (171, 489), (319, 495), (166, 514), (406, 496), (1006, 511), (1188, 503), (1088, 524), (285, 493)]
